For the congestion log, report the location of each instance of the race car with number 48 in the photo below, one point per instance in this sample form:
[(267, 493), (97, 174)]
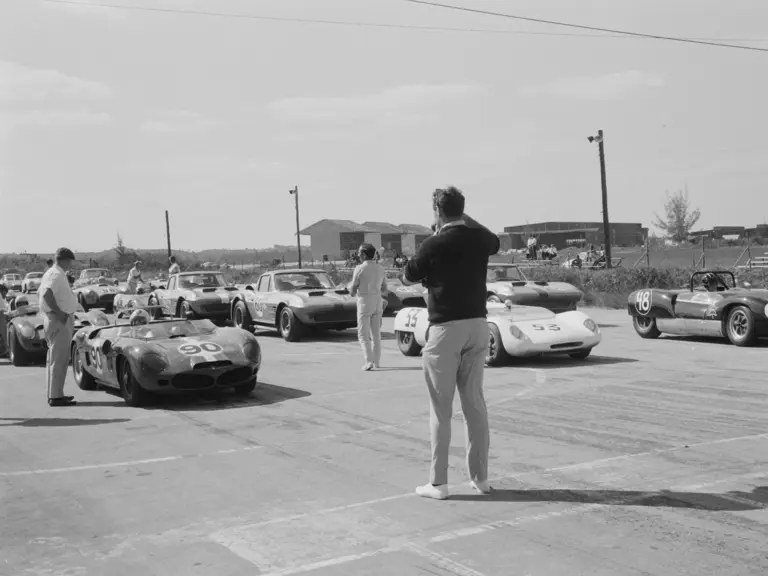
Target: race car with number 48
[(712, 305), (513, 332)]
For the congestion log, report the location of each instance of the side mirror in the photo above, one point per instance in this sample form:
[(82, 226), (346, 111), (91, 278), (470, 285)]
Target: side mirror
[(106, 348)]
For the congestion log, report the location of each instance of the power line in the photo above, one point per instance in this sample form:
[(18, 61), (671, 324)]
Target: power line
[(583, 27), (357, 24)]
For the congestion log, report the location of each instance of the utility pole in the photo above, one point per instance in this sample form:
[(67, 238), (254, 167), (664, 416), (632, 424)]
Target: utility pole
[(606, 222), (295, 193), (168, 232)]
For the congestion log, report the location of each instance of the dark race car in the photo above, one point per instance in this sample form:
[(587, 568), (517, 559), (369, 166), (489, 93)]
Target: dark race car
[(712, 306), (400, 296), (196, 295), (26, 336), (508, 283), (165, 356)]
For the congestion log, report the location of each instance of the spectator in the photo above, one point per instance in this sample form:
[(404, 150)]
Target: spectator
[(4, 310), (369, 284), (134, 277), (174, 269)]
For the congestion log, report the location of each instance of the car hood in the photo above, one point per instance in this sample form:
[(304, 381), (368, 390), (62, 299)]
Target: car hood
[(181, 351), (102, 288), (535, 287), (402, 290), (519, 313), (322, 297), (214, 292)]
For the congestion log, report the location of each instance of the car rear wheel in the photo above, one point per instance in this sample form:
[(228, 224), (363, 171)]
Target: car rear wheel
[(83, 303), (241, 318), (132, 392), (645, 327), (157, 313), (740, 326), (184, 310), (406, 343), (16, 354), (83, 378), (289, 326), (581, 354), (497, 355)]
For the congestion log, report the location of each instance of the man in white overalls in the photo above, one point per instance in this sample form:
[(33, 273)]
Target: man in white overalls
[(369, 284)]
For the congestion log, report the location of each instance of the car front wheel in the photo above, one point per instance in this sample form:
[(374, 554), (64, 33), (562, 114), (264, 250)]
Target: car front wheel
[(290, 327), (406, 343), (83, 378), (740, 326), (497, 355), (241, 318), (645, 327), (132, 392)]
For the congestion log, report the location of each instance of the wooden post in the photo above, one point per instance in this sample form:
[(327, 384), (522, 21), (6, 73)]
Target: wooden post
[(703, 257), (647, 252), (168, 232), (749, 251)]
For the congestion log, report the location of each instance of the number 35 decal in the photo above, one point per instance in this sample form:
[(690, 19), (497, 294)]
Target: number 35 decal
[(412, 318), (643, 301), (192, 349), (552, 327)]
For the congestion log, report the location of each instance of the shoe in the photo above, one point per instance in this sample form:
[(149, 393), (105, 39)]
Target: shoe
[(435, 492), (63, 401), (367, 366), (481, 486)]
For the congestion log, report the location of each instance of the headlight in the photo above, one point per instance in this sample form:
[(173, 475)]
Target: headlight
[(153, 363), (516, 332), (252, 351), (590, 325), (765, 310), (27, 331)]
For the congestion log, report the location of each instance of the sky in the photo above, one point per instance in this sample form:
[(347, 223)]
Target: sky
[(109, 117)]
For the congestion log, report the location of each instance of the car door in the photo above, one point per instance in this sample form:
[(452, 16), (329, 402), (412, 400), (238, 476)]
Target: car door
[(166, 296), (696, 310), (267, 299)]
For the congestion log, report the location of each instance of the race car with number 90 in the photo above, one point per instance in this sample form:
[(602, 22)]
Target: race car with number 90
[(513, 332)]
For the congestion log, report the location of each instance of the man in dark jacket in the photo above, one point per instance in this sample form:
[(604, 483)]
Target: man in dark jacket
[(452, 264)]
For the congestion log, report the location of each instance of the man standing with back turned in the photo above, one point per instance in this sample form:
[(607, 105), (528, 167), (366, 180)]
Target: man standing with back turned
[(58, 303), (453, 265)]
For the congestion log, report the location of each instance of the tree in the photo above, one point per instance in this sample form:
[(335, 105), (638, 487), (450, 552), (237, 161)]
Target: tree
[(679, 217)]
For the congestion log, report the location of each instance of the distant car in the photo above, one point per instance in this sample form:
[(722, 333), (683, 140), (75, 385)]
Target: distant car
[(292, 300), (139, 300), (400, 296), (508, 283), (514, 332), (166, 356), (196, 295), (31, 282), (13, 282), (711, 306), (98, 295), (95, 276), (26, 336)]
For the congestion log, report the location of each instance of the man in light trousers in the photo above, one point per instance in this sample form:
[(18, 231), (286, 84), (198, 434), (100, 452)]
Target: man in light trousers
[(58, 304), (453, 264), (369, 284)]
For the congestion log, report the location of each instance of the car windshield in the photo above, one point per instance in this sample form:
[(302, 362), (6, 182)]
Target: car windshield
[(201, 281), (169, 330), (498, 273), (97, 273), (11, 277), (291, 281), (35, 275)]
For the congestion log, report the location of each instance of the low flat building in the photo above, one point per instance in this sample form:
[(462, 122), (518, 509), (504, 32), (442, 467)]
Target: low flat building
[(573, 234)]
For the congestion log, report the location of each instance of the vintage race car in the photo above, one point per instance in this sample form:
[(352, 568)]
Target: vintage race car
[(26, 336), (140, 299), (400, 296), (31, 282), (166, 356), (90, 276), (291, 301), (196, 295), (513, 332), (13, 282), (507, 283), (711, 306)]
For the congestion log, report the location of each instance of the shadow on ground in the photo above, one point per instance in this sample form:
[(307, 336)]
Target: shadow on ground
[(762, 343), (59, 422), (264, 395), (550, 362), (730, 501)]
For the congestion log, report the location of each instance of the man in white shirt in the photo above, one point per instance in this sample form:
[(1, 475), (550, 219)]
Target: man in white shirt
[(58, 305), (134, 277), (369, 284), (4, 310), (174, 269)]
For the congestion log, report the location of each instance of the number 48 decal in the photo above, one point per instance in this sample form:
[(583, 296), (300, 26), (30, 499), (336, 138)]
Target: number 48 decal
[(643, 301)]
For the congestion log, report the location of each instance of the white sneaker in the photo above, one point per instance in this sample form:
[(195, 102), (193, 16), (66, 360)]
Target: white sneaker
[(367, 366), (436, 492), (482, 486)]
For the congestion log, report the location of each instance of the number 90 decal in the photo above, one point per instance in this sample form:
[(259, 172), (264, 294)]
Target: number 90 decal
[(643, 301), (192, 349)]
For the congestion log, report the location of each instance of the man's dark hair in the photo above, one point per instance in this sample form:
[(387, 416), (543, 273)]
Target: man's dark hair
[(172, 259), (449, 201), (368, 250), (49, 262)]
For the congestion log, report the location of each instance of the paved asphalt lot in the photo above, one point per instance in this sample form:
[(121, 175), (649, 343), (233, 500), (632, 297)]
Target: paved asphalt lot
[(649, 458)]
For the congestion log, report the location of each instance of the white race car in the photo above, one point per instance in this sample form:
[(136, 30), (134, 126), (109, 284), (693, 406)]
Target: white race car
[(514, 331)]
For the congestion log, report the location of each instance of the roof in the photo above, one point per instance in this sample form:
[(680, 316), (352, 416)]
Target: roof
[(343, 225), (415, 229), (370, 226), (548, 232), (382, 227)]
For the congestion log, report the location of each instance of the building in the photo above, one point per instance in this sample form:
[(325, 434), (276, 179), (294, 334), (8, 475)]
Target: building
[(333, 238), (718, 232), (572, 234)]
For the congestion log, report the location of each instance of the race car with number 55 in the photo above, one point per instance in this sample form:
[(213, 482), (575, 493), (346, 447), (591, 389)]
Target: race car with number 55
[(712, 305), (196, 295), (166, 356), (513, 332)]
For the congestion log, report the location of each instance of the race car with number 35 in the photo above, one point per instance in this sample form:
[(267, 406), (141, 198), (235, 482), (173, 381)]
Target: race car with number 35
[(196, 295), (712, 305), (165, 356), (513, 332)]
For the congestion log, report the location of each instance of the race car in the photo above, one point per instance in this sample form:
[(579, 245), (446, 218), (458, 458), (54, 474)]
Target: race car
[(513, 332), (196, 295), (507, 283), (95, 276), (31, 282), (13, 282), (26, 336), (99, 295), (293, 300), (140, 299), (165, 356), (400, 296), (711, 306)]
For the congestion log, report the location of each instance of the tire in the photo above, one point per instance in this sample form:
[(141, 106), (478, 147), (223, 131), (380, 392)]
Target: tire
[(581, 354), (182, 308), (406, 343), (157, 313), (16, 354), (247, 388), (740, 326), (241, 318), (132, 392), (83, 303), (497, 355), (645, 327), (493, 299), (289, 326), (83, 378)]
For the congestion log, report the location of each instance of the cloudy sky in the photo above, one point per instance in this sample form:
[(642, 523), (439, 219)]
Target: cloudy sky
[(108, 117)]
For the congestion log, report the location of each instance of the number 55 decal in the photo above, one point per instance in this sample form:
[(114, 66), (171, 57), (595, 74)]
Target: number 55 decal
[(552, 327), (643, 301), (412, 318)]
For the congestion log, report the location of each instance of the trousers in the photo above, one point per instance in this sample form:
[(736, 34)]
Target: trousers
[(454, 357), (3, 333), (369, 330), (58, 334)]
